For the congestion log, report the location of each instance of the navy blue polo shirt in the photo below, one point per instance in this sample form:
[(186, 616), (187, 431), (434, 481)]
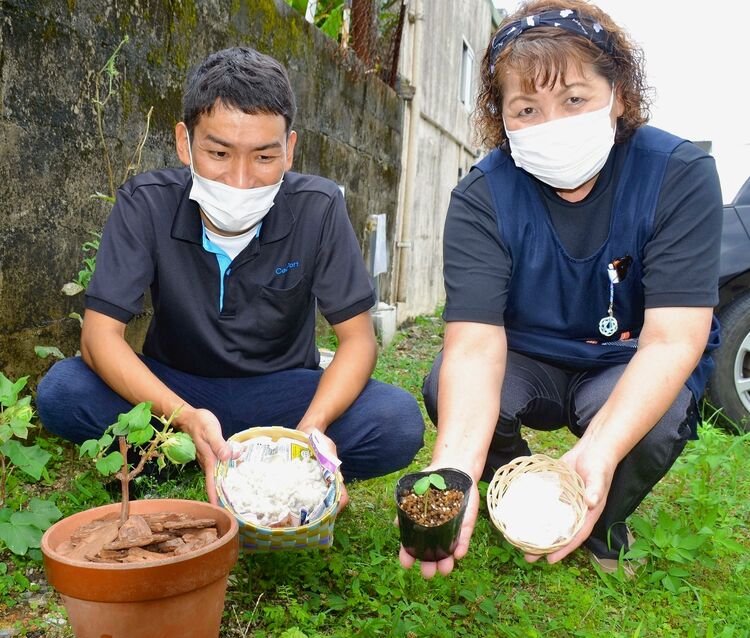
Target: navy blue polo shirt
[(260, 316)]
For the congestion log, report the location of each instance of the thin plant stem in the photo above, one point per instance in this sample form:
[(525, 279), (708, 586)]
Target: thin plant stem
[(4, 479), (105, 149), (125, 482), (135, 161), (111, 73)]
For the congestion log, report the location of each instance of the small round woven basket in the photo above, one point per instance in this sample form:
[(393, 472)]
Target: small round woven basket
[(572, 493), (316, 534)]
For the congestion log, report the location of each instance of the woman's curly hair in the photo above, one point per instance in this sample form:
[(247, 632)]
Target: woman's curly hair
[(541, 57)]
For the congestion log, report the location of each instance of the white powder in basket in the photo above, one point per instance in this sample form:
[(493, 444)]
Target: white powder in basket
[(532, 511), (275, 492)]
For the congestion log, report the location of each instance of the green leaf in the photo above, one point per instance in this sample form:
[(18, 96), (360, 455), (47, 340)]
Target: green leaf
[(665, 521), (89, 448), (20, 427), (437, 481), (732, 546), (9, 391), (30, 459), (331, 26), (45, 351), (45, 508), (421, 486), (179, 448), (337, 603), (5, 432), (657, 575), (138, 418), (660, 538), (110, 463), (678, 572), (140, 437), (694, 541), (641, 527), (31, 519), (18, 538), (675, 555), (671, 584)]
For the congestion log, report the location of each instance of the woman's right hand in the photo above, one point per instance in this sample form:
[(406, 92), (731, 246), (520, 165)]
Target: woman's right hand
[(446, 565)]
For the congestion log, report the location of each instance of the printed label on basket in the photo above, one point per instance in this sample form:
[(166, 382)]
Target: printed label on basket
[(263, 448), (328, 461)]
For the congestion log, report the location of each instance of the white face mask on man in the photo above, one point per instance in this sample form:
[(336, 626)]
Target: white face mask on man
[(567, 152), (228, 208)]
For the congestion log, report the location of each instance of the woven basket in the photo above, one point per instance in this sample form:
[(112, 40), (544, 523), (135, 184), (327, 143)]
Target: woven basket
[(317, 534), (572, 493)]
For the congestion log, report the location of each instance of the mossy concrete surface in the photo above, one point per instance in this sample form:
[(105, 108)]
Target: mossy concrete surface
[(51, 160)]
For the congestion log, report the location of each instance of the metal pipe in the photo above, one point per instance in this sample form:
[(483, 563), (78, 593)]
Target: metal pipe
[(403, 217)]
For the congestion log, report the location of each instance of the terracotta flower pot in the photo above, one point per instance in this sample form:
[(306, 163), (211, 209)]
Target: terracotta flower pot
[(432, 543), (177, 596)]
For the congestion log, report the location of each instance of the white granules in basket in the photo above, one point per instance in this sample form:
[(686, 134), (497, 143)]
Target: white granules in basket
[(532, 511), (274, 492)]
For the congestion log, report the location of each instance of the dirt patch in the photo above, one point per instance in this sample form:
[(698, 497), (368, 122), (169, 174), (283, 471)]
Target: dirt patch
[(433, 508)]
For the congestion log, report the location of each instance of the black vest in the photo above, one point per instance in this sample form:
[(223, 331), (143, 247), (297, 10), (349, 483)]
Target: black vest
[(555, 302)]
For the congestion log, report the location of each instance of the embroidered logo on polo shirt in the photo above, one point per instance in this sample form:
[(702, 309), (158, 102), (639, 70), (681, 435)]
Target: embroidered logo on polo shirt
[(289, 266)]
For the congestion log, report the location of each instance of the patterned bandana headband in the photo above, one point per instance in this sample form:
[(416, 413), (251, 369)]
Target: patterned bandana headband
[(567, 19)]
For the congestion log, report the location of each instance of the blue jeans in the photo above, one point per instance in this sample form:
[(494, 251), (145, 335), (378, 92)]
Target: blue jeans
[(379, 433)]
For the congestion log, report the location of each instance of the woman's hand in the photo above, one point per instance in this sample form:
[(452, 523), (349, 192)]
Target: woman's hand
[(596, 469), (446, 565)]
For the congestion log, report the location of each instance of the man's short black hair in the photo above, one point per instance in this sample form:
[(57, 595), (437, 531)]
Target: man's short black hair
[(243, 79)]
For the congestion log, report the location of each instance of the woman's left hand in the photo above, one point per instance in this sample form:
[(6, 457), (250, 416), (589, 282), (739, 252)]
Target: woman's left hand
[(597, 471)]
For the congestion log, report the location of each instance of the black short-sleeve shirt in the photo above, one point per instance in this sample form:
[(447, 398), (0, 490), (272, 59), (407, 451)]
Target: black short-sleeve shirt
[(265, 319), (681, 259)]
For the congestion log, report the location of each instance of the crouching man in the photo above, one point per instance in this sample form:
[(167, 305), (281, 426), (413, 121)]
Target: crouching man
[(236, 250)]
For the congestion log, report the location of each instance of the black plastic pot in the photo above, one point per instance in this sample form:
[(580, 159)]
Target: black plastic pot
[(432, 543)]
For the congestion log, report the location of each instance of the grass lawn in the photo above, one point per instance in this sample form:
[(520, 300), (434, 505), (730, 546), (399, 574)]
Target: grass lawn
[(693, 527)]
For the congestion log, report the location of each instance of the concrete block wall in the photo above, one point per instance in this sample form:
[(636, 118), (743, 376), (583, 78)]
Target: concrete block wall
[(349, 127)]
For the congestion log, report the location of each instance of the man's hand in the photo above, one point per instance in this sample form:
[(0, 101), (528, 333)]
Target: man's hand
[(597, 471), (205, 430), (328, 447), (445, 566)]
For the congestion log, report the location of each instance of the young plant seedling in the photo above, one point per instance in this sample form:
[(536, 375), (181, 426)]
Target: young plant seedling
[(422, 486), (134, 429)]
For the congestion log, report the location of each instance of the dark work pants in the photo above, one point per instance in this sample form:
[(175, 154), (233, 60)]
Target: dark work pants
[(544, 397), (379, 433)]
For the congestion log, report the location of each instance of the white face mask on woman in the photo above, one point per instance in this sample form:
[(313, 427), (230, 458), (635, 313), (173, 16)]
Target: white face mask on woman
[(565, 152), (228, 208)]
